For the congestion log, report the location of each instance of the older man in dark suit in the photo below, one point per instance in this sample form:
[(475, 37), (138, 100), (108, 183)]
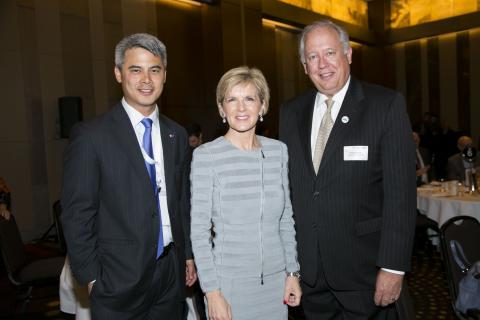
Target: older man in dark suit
[(352, 178), (125, 196), (423, 162), (457, 166)]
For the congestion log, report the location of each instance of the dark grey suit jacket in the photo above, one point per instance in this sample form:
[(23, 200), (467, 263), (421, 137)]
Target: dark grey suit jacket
[(110, 215), (456, 169), (360, 215)]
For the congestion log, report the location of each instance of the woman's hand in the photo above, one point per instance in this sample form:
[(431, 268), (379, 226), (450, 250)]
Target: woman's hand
[(218, 307), (293, 293)]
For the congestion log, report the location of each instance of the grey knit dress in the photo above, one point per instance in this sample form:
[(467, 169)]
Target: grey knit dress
[(244, 197)]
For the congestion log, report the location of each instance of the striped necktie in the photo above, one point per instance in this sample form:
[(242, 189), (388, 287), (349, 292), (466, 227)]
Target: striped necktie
[(323, 132)]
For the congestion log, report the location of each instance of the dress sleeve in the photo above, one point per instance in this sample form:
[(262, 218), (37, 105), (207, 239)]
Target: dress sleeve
[(287, 229), (202, 181)]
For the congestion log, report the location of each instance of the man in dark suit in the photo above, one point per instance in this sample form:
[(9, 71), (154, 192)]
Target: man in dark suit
[(423, 162), (457, 165), (355, 218), (125, 196)]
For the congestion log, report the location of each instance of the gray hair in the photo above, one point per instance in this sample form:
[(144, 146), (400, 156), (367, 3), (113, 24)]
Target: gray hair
[(342, 35), (140, 40)]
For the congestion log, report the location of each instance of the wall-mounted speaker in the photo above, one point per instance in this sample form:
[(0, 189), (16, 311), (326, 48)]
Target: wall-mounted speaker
[(70, 109)]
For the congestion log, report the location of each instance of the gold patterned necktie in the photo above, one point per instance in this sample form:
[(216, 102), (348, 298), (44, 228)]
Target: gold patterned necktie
[(323, 132)]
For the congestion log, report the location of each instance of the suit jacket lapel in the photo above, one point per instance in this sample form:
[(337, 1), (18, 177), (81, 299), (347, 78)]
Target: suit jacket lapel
[(305, 128), (168, 145), (346, 118), (124, 132)]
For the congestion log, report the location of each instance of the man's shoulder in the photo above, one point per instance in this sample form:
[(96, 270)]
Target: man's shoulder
[(455, 158), (172, 125), (100, 122), (375, 90), (300, 99)]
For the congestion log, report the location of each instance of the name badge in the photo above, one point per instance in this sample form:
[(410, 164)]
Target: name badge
[(355, 153)]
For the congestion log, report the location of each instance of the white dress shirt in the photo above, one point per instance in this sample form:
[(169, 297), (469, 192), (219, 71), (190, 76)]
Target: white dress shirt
[(421, 165), (319, 111), (136, 118), (321, 107)]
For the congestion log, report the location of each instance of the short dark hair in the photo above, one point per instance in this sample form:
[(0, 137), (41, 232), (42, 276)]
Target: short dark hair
[(194, 129)]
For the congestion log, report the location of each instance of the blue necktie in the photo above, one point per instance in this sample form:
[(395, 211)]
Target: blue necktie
[(147, 146)]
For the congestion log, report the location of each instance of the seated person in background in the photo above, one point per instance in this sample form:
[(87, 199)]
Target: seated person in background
[(423, 162), (4, 200), (457, 165), (195, 135)]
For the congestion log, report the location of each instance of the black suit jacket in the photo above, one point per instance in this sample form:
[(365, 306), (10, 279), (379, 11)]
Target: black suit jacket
[(360, 215), (110, 215)]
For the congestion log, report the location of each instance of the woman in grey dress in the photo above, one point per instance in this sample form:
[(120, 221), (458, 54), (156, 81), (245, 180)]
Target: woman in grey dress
[(248, 265)]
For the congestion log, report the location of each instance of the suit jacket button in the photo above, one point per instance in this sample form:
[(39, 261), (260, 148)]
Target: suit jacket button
[(316, 194), (154, 214)]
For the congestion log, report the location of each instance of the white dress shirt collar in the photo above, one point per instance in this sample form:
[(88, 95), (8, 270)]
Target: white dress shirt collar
[(320, 107), (136, 117)]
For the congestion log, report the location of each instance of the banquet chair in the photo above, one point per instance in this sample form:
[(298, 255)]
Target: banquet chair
[(466, 231), (23, 271), (426, 230)]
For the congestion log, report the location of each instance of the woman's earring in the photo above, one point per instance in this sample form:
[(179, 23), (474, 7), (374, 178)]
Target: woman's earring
[(261, 117), (224, 120)]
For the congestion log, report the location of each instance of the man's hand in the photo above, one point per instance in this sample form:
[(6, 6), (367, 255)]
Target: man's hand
[(423, 170), (388, 288), (191, 273), (90, 286)]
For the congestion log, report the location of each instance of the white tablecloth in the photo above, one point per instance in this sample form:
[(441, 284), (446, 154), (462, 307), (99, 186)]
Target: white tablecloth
[(441, 208)]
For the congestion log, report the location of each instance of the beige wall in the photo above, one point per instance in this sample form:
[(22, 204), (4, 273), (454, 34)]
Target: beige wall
[(448, 73), (55, 48), (448, 80), (475, 84)]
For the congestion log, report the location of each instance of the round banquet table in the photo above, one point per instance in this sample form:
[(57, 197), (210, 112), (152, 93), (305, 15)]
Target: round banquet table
[(440, 207)]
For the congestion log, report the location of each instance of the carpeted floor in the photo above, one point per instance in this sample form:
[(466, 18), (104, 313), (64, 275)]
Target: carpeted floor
[(427, 284), (428, 287)]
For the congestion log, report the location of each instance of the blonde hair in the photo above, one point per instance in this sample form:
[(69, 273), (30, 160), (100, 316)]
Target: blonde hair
[(244, 75)]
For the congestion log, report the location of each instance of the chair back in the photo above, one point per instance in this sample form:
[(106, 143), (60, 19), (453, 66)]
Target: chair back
[(465, 230), (12, 247)]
